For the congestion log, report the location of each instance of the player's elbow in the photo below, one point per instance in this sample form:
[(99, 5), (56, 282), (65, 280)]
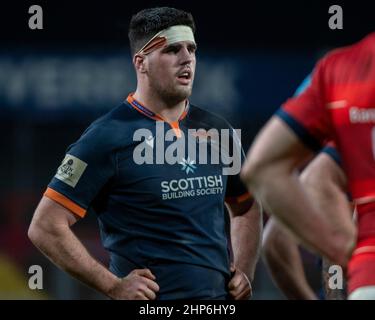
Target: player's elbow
[(42, 230), (35, 233), (42, 235)]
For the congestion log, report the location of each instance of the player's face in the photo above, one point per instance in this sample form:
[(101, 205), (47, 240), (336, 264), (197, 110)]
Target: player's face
[(171, 70)]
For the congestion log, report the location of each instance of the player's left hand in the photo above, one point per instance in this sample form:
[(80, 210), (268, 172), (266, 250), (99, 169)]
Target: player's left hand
[(240, 285)]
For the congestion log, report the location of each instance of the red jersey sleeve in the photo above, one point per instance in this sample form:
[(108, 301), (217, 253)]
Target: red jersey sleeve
[(306, 113)]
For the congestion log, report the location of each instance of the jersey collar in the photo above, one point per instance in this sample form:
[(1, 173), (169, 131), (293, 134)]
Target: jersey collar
[(147, 112), (150, 114)]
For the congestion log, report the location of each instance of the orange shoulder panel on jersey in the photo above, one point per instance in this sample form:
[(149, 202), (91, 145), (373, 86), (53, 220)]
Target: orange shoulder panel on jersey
[(65, 202)]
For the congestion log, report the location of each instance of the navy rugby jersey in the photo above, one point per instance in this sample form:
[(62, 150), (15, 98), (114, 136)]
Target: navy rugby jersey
[(168, 217)]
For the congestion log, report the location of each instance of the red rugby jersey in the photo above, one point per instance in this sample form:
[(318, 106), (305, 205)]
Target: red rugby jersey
[(339, 104)]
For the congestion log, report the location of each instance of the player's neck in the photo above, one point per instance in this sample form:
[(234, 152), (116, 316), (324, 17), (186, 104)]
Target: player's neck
[(169, 111)]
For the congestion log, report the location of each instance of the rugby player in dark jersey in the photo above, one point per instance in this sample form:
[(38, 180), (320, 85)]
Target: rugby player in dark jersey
[(158, 173)]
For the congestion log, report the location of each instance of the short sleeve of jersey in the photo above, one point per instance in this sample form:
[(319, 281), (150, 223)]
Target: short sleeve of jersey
[(306, 113), (331, 150), (236, 191), (88, 165)]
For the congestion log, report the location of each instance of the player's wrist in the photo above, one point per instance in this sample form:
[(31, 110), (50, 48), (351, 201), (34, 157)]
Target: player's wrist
[(111, 289), (247, 275)]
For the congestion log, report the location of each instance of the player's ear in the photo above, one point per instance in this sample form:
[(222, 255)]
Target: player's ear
[(139, 61)]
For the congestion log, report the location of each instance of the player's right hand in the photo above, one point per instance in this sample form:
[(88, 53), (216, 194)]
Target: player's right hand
[(137, 285)]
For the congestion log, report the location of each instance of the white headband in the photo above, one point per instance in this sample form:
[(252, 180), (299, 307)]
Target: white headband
[(168, 36)]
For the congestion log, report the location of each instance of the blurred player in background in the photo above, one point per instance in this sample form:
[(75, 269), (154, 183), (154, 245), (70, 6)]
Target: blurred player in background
[(283, 258), (281, 250), (163, 224), (339, 105), (323, 179)]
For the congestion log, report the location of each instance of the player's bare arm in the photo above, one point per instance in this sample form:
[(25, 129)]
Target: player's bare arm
[(246, 231), (271, 174), (283, 259), (50, 231), (326, 183)]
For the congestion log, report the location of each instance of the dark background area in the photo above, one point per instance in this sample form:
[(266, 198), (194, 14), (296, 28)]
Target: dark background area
[(54, 82), (235, 24)]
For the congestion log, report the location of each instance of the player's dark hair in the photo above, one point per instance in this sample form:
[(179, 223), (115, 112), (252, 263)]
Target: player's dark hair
[(146, 23)]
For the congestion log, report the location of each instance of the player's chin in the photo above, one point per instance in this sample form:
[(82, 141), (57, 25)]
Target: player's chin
[(183, 92)]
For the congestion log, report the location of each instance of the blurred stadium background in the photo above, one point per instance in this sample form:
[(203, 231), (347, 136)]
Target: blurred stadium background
[(54, 82)]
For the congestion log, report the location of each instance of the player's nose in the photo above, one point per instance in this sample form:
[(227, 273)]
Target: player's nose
[(186, 56)]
